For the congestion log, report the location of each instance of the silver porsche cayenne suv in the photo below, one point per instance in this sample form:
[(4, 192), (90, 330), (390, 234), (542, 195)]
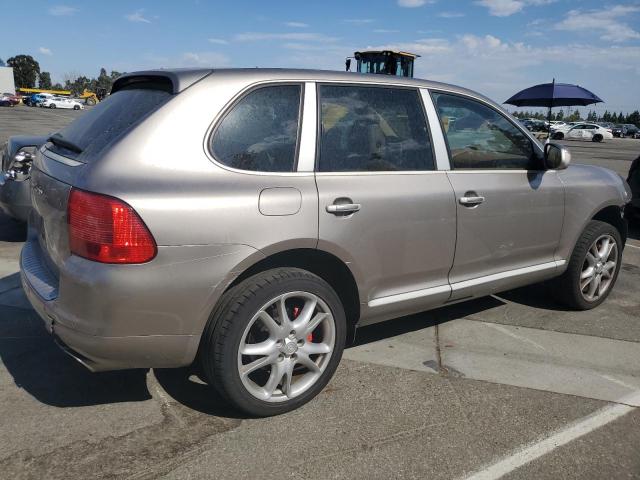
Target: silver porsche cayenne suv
[(251, 220)]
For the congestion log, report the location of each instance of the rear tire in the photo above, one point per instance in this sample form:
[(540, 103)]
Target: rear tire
[(76, 107), (294, 366), (53, 105), (558, 136), (593, 268), (597, 138)]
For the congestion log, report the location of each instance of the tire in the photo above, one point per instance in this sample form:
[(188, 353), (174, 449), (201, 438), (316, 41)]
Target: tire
[(53, 105), (239, 316), (597, 138), (558, 136), (568, 288), (76, 107)]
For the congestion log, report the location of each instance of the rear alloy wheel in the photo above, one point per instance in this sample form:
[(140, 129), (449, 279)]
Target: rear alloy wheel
[(274, 341), (558, 136), (593, 267), (53, 105), (597, 138)]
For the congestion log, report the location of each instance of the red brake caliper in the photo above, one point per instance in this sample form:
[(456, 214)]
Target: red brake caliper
[(296, 312)]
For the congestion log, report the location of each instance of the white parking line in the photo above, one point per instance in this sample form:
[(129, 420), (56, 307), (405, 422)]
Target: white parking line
[(575, 430), (632, 246)]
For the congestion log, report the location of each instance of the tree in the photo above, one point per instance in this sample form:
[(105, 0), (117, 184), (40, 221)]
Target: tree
[(1, 63), (560, 115), (25, 70), (634, 118), (57, 86), (44, 80)]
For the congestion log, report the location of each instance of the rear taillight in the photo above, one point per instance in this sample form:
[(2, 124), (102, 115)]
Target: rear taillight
[(107, 230)]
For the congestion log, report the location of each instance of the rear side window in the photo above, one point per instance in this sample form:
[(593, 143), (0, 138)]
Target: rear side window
[(260, 132), (105, 122), (372, 129), (479, 137)]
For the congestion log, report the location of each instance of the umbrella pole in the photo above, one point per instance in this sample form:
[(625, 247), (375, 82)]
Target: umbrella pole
[(549, 125)]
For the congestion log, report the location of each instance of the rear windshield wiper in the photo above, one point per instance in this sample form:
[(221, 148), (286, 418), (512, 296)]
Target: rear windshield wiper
[(59, 140)]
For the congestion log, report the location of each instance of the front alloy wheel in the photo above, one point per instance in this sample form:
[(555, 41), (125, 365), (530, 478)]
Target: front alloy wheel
[(599, 268)]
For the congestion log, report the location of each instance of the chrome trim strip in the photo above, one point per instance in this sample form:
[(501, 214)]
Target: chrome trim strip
[(403, 297), (307, 153), (59, 158), (439, 145), (507, 274), (426, 292)]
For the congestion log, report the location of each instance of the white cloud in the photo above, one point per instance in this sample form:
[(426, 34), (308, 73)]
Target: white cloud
[(218, 41), (359, 21), (607, 22), (45, 51), (304, 37), (414, 3), (384, 30), (62, 10), (137, 17), (451, 14), (505, 8), (203, 59), (297, 25)]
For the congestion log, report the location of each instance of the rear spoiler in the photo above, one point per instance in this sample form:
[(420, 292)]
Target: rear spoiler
[(171, 81)]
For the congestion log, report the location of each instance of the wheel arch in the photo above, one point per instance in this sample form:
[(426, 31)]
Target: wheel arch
[(321, 263), (613, 215)]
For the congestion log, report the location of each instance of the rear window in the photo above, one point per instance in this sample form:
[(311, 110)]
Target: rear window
[(108, 120)]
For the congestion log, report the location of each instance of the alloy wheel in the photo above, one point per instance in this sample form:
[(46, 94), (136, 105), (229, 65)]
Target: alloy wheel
[(286, 346), (599, 268)]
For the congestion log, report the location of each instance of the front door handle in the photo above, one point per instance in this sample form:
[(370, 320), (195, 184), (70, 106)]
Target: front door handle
[(471, 199), (342, 208)]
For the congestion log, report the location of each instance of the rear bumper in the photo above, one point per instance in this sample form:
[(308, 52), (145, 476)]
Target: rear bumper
[(15, 198), (112, 317)]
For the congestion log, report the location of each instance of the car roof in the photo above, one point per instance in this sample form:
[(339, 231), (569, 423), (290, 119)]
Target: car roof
[(182, 78)]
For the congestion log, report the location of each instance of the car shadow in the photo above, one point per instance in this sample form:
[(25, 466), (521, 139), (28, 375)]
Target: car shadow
[(634, 230), (49, 375), (11, 230)]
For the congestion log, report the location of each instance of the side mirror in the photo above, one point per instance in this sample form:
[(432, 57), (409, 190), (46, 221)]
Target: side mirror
[(556, 157)]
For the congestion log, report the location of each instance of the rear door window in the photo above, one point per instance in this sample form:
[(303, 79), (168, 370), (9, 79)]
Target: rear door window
[(373, 129), (108, 120), (260, 132)]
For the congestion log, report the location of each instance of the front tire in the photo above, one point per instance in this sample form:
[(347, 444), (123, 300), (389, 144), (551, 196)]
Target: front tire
[(53, 105), (274, 341), (593, 267), (597, 138), (558, 136)]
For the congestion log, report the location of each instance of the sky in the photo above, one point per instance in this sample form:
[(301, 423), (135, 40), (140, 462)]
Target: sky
[(495, 47)]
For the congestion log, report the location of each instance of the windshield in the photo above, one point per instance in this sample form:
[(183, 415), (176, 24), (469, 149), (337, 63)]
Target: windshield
[(107, 121)]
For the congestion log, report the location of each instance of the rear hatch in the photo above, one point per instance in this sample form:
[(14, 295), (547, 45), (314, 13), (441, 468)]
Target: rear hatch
[(61, 161)]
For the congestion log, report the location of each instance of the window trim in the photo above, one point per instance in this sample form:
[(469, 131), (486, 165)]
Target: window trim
[(228, 108), (535, 150), (425, 117)]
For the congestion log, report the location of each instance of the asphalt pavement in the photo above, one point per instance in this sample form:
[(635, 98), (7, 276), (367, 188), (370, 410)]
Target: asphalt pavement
[(511, 385)]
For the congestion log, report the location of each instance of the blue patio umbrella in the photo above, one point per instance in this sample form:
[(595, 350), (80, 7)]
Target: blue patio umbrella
[(553, 95)]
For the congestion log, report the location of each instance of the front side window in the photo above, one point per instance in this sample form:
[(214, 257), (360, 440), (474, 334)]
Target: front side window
[(480, 137), (260, 132), (372, 129)]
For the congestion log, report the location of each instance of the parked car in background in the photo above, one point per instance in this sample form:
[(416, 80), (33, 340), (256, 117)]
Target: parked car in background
[(535, 125), (263, 250), (60, 102), (16, 158), (631, 129), (557, 124), (583, 131), (36, 99), (619, 130), (10, 99)]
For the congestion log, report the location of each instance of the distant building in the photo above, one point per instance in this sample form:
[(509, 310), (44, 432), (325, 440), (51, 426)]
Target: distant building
[(7, 84)]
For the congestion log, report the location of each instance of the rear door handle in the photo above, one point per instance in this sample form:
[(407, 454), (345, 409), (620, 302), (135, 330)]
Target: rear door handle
[(471, 200), (337, 209)]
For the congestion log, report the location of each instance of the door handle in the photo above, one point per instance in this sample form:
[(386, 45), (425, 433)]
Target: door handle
[(343, 208), (471, 200)]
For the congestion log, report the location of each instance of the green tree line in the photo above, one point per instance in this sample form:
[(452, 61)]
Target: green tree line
[(27, 74), (576, 116)]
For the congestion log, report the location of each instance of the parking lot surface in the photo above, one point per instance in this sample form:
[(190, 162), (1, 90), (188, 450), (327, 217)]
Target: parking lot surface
[(509, 385)]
